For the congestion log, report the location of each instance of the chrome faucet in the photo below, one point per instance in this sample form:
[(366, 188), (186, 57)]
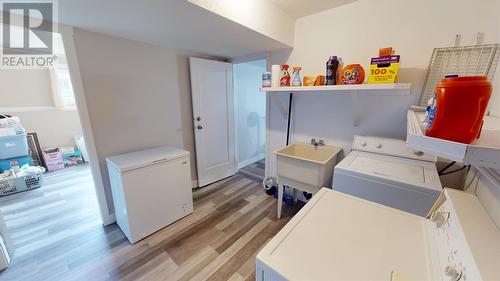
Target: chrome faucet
[(317, 143)]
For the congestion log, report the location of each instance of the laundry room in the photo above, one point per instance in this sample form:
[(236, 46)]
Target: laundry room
[(264, 140), (336, 117)]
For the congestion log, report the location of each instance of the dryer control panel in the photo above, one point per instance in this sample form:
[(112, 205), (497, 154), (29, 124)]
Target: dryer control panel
[(456, 262), (393, 147)]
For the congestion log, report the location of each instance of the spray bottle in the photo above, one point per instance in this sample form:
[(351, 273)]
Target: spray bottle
[(296, 76), (285, 76)]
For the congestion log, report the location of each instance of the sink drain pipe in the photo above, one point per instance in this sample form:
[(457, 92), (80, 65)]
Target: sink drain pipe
[(289, 118), (270, 183), (307, 195)]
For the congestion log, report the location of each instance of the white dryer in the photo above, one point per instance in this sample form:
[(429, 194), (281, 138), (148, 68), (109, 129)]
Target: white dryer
[(339, 237), (387, 172)]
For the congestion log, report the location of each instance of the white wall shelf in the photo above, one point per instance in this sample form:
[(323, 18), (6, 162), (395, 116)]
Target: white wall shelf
[(402, 89), (492, 176), (484, 152), (396, 89)]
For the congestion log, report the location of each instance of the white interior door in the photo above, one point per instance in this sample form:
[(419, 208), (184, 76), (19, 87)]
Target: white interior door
[(213, 115)]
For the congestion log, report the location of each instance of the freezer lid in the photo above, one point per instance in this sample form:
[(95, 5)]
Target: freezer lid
[(138, 159)]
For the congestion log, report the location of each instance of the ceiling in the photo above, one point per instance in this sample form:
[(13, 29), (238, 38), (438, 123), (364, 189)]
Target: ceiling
[(181, 25), (301, 8), (169, 23)]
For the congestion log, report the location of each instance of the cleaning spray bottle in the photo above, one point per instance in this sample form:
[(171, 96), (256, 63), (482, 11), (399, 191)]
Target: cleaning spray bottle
[(296, 76), (285, 76)]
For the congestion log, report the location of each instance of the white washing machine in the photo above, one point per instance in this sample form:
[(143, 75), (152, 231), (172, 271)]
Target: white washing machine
[(387, 172), (337, 236)]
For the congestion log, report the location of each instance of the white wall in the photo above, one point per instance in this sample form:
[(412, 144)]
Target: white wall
[(355, 32), (137, 97), (54, 127), (250, 111), (28, 94), (495, 101), (23, 88)]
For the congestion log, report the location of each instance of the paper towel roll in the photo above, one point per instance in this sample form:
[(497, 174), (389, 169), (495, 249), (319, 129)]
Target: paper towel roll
[(275, 75)]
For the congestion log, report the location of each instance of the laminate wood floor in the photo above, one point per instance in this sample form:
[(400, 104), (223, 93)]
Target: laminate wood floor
[(255, 170), (233, 219)]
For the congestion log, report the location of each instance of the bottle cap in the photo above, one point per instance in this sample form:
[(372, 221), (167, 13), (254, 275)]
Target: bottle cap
[(333, 57)]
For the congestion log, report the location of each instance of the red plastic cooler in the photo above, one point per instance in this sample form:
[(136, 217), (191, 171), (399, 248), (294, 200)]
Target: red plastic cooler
[(460, 106)]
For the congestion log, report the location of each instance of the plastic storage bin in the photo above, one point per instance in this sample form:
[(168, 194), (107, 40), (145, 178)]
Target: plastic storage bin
[(13, 146), (7, 164), (15, 185), (73, 159)]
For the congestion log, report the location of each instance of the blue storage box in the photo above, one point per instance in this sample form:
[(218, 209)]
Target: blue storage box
[(13, 146), (77, 153), (18, 161)]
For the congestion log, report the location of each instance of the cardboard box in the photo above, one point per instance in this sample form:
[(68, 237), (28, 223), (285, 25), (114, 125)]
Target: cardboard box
[(53, 159), (384, 70)]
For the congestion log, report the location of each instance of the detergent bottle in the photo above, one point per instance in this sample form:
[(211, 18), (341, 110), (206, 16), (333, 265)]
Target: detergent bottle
[(332, 66), (460, 105)]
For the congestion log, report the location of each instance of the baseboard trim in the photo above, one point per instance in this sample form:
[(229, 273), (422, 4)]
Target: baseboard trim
[(109, 220), (250, 161), (194, 183)]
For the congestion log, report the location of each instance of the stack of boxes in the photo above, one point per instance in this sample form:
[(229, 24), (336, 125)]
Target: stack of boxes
[(61, 157), (71, 156), (14, 152)]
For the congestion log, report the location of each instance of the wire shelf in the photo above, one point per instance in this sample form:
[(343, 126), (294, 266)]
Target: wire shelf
[(481, 60)]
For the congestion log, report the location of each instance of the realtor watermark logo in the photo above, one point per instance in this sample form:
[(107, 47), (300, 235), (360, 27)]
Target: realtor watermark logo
[(27, 34)]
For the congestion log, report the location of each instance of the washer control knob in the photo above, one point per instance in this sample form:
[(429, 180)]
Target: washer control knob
[(363, 144), (379, 145), (439, 217), (454, 273)]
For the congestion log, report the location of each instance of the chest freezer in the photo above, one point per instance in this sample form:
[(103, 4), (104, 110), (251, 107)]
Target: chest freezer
[(151, 189)]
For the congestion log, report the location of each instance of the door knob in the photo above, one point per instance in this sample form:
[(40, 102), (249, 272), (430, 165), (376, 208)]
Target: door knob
[(198, 118), (199, 127)]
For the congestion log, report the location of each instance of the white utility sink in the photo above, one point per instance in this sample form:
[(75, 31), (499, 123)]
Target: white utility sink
[(305, 167)]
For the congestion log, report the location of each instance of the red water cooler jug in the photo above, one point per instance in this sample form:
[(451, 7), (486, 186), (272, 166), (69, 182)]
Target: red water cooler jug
[(461, 103)]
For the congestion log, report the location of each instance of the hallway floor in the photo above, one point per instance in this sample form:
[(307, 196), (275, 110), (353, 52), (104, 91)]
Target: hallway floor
[(255, 171), (232, 220), (45, 222)]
